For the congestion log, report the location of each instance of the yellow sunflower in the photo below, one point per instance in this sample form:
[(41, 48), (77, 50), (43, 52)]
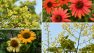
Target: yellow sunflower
[(13, 45), (26, 36)]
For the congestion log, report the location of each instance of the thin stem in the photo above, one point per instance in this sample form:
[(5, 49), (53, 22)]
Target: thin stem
[(79, 39), (78, 43), (70, 33), (48, 34), (27, 48), (11, 33)]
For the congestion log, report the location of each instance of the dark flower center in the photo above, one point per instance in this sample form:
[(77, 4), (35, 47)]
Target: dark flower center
[(14, 43), (26, 35), (49, 4), (58, 18), (79, 4)]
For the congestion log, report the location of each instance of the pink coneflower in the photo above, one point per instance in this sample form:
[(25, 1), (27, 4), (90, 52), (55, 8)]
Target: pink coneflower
[(80, 7), (49, 5), (60, 15)]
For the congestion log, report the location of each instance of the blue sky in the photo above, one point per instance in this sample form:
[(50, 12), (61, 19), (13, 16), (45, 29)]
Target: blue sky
[(38, 6), (55, 29)]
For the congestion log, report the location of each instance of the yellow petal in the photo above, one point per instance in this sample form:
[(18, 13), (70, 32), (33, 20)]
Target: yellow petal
[(17, 49), (9, 49), (32, 38), (29, 40), (14, 50), (8, 42)]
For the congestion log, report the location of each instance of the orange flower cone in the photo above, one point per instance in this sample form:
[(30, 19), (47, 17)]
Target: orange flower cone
[(49, 5), (80, 7), (60, 15)]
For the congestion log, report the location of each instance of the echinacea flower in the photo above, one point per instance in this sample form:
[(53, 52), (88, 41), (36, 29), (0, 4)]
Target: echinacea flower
[(62, 2), (60, 15), (26, 36), (80, 7), (49, 5), (13, 45)]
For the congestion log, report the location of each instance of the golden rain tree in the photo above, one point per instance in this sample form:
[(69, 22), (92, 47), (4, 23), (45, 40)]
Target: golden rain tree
[(18, 14)]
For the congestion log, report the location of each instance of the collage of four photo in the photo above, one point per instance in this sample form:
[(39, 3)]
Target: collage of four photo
[(46, 26)]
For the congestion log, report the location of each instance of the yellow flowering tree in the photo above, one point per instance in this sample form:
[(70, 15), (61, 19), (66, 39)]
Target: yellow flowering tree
[(71, 39), (18, 15)]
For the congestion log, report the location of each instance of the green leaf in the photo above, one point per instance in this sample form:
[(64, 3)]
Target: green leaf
[(55, 49), (1, 51)]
